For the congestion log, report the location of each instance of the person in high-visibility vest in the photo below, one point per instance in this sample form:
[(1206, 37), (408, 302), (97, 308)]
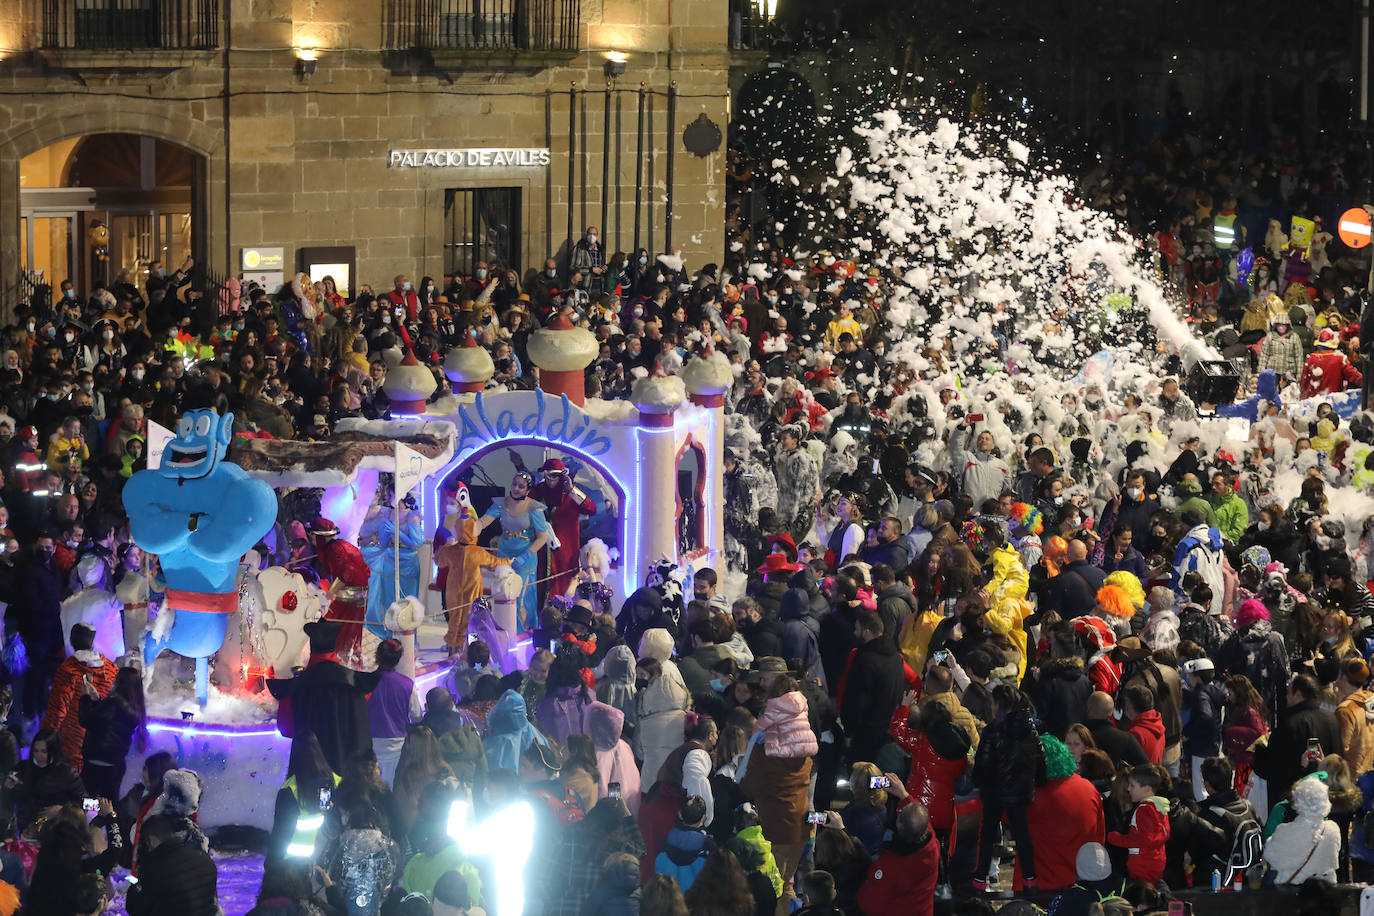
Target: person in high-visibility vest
[(302, 799), (1224, 226)]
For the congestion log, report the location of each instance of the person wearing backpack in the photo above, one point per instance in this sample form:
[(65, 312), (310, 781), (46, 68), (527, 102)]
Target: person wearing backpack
[(687, 846), (1231, 818)]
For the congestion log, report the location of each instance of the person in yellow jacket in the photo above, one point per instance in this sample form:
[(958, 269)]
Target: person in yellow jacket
[(66, 445), (843, 323), (1006, 591), (914, 640)]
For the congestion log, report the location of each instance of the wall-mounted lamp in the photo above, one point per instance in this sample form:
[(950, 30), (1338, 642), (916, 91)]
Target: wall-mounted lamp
[(305, 61), (615, 63), (768, 9)]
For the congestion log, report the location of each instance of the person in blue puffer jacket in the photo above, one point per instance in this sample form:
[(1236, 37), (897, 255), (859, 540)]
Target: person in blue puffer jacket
[(1267, 390)]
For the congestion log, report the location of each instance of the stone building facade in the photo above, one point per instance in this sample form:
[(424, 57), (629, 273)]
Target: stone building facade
[(329, 154)]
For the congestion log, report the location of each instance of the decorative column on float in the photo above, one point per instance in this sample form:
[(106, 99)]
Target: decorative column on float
[(469, 367), (562, 352), (707, 378), (409, 386), (657, 399)]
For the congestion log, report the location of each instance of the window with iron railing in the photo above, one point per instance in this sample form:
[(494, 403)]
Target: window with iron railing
[(482, 25), (117, 25)]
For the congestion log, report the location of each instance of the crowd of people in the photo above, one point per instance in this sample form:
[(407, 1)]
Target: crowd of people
[(976, 629)]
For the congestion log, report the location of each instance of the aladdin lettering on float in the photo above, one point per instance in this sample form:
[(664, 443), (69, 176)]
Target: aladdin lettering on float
[(467, 158), (563, 424)]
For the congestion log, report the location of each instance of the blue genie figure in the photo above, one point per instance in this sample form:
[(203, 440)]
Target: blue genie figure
[(199, 514)]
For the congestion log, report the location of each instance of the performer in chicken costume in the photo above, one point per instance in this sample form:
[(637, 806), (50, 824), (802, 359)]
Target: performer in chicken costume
[(199, 514), (343, 565), (564, 505), (464, 560)]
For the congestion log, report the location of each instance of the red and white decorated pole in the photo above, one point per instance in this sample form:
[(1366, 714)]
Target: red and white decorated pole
[(563, 352), (657, 398), (708, 378)]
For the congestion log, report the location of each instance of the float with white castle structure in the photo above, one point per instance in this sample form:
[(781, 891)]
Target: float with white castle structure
[(563, 493)]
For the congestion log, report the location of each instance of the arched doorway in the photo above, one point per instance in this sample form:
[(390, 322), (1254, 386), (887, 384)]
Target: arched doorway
[(691, 501), (147, 193)]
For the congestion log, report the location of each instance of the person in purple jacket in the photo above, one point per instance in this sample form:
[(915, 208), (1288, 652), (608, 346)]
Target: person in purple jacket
[(563, 711), (391, 707)]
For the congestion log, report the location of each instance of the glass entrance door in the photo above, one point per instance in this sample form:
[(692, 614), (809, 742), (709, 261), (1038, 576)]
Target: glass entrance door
[(132, 244), (49, 249)]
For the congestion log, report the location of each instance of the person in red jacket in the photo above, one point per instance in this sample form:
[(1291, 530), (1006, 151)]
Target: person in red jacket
[(1065, 814), (1146, 725), (1144, 842), (1327, 371), (902, 879), (342, 563), (939, 756)]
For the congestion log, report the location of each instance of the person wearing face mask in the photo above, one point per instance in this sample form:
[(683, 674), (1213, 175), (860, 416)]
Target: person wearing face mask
[(589, 259), (402, 295), (1282, 350), (546, 283), (39, 622), (473, 285)]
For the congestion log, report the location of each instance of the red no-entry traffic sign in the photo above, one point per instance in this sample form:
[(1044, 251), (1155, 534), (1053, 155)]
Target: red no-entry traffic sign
[(1354, 227)]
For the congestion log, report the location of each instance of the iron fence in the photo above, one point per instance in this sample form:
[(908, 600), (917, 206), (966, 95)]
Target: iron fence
[(482, 25), (118, 25)]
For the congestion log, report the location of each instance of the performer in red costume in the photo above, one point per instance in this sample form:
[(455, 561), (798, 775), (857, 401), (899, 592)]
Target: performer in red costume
[(564, 506), (343, 565)]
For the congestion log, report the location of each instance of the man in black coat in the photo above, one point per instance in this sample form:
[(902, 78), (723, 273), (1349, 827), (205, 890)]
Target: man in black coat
[(177, 877), (761, 631), (37, 616), (1284, 759), (872, 687), (1073, 592), (1121, 746), (326, 698), (891, 549)]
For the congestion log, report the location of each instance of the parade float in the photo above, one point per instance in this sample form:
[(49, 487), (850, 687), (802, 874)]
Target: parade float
[(248, 542)]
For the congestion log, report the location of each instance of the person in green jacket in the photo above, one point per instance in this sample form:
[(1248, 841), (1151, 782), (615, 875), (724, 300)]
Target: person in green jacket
[(1189, 491), (1233, 517), (438, 853)]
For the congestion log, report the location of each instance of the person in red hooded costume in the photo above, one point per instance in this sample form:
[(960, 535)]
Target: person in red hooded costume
[(939, 756), (564, 506), (1065, 814), (343, 565)]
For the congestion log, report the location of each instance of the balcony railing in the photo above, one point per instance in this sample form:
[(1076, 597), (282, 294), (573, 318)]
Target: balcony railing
[(117, 25), (748, 26), (482, 25)]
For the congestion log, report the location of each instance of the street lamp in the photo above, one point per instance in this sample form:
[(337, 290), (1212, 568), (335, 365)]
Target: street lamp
[(768, 9)]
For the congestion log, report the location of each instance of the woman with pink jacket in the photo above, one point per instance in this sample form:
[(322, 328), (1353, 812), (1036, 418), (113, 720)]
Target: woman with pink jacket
[(784, 723)]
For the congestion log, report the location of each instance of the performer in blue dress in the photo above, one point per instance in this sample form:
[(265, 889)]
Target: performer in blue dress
[(524, 532), (375, 540)]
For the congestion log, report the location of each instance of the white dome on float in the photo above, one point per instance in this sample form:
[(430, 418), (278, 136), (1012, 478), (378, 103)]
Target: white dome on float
[(708, 373), (469, 367), (409, 385), (560, 346), (659, 393)]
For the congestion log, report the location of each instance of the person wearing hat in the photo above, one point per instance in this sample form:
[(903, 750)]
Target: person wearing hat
[(564, 505), (343, 565), (1326, 370), (1096, 883), (1205, 698), (1066, 814), (326, 697)]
